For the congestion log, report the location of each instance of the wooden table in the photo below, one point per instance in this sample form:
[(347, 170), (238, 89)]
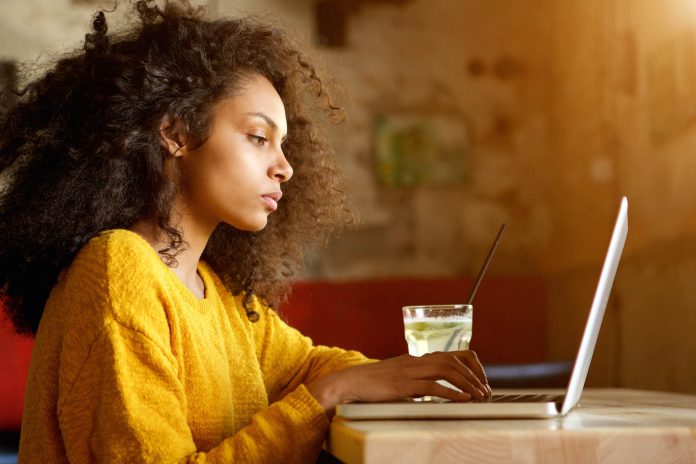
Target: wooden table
[(608, 426)]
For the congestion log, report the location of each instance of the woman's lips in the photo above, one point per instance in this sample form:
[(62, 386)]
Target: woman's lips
[(271, 200)]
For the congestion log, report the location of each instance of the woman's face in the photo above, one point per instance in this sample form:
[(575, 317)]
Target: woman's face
[(236, 175)]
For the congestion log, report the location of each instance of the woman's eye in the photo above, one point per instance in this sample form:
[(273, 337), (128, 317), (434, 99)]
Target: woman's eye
[(258, 140)]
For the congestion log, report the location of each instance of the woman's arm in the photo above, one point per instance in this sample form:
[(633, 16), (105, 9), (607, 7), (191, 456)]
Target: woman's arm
[(334, 376), (128, 405), (288, 359), (404, 377)]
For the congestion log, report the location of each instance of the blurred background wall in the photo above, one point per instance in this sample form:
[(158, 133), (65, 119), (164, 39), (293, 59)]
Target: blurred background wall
[(544, 113)]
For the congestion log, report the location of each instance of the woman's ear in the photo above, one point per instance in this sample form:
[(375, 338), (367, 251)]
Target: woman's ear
[(170, 138)]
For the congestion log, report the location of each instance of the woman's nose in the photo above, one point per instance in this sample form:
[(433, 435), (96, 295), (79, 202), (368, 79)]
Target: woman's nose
[(282, 170)]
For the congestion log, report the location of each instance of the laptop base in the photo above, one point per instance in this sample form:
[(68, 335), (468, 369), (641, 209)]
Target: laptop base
[(449, 410)]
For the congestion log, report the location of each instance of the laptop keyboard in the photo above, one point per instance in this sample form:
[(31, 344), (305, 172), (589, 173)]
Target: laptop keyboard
[(540, 398)]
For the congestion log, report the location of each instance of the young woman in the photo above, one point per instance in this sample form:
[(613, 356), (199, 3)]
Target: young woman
[(159, 187)]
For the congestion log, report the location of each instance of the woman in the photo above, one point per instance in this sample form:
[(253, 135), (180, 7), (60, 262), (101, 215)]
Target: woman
[(149, 225)]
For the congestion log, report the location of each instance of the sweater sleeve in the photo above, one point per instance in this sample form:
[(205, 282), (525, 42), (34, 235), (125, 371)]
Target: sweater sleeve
[(127, 405), (289, 359)]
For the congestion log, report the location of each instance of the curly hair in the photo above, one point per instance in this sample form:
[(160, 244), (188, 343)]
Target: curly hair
[(81, 151)]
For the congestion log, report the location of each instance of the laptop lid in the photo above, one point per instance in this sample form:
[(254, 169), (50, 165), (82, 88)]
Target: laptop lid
[(599, 304)]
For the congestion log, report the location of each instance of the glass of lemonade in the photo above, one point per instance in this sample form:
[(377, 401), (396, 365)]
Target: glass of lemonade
[(437, 328), (432, 328)]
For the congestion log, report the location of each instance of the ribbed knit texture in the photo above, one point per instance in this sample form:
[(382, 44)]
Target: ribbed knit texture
[(129, 366)]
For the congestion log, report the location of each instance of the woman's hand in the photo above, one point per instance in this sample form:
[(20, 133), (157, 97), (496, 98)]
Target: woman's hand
[(404, 377)]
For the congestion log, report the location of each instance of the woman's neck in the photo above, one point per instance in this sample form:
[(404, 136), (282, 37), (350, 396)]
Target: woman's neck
[(187, 261)]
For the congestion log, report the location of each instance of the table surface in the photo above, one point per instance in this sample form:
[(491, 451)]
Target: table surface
[(608, 426)]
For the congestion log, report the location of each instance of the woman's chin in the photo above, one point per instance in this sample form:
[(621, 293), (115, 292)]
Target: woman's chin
[(251, 226)]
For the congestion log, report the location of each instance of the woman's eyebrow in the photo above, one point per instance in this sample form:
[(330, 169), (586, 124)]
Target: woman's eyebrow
[(268, 120)]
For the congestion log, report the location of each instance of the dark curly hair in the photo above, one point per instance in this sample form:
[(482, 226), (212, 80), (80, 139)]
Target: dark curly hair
[(81, 151)]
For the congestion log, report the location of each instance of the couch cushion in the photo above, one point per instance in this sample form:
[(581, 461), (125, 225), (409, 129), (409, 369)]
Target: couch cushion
[(15, 353), (509, 314)]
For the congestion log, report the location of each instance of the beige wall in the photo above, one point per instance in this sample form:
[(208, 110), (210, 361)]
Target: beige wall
[(32, 30)]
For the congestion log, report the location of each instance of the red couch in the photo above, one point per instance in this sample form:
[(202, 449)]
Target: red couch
[(15, 352), (509, 323), (509, 314)]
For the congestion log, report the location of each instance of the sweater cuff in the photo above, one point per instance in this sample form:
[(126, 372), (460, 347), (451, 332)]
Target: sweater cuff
[(308, 406)]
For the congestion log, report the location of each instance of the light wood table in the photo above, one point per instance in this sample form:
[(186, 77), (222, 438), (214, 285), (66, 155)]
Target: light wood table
[(608, 426)]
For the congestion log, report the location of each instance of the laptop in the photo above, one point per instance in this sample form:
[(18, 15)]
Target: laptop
[(516, 406)]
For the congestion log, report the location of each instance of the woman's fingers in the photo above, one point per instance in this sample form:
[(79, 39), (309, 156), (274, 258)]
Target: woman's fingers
[(453, 372), (471, 376), (470, 359), (461, 368), (472, 372), (470, 362), (419, 388)]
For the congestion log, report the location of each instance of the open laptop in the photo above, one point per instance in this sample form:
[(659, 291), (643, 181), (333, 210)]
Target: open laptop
[(516, 406)]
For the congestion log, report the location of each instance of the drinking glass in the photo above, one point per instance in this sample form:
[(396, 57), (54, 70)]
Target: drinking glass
[(430, 328)]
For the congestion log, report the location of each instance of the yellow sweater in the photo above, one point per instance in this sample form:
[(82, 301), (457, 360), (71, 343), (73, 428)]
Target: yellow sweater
[(129, 366)]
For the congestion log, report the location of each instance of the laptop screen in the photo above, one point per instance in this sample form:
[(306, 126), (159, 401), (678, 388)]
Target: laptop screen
[(599, 304)]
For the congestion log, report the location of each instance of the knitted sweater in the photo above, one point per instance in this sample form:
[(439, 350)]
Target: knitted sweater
[(129, 366)]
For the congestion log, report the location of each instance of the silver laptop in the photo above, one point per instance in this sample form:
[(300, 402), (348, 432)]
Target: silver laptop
[(518, 405)]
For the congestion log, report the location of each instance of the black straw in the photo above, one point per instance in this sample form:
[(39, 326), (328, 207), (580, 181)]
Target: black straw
[(485, 265)]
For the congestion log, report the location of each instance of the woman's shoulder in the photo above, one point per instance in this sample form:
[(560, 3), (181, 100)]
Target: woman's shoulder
[(115, 266), (117, 243), (115, 277), (117, 254)]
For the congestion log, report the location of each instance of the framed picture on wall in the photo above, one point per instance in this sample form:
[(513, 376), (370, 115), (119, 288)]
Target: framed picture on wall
[(422, 150)]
